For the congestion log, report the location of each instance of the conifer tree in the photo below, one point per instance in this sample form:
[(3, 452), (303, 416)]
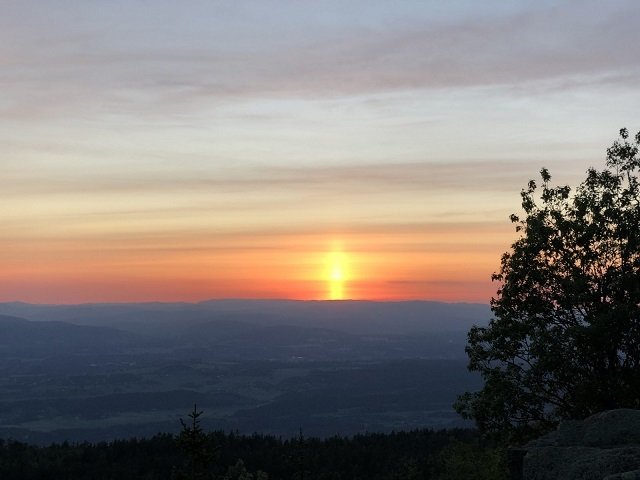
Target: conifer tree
[(193, 441)]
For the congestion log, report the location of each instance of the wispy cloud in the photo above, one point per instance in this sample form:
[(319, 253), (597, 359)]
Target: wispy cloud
[(487, 176), (84, 68)]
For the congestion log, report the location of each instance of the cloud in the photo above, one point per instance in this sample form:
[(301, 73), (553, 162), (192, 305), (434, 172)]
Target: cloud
[(375, 178), (94, 66)]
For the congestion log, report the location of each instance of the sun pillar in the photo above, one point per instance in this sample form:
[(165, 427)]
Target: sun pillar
[(336, 267)]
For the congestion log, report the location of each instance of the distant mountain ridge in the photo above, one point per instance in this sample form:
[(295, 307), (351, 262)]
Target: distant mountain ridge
[(38, 338), (348, 316)]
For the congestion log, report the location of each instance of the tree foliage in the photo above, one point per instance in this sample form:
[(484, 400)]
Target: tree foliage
[(240, 472), (564, 342), (372, 456), (469, 461)]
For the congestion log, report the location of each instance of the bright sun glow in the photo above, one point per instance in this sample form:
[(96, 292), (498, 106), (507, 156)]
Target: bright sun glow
[(336, 269)]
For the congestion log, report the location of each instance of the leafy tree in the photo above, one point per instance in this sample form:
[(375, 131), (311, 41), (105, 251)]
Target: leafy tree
[(564, 342)]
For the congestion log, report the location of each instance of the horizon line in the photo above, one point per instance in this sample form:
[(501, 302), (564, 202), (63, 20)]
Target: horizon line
[(239, 299)]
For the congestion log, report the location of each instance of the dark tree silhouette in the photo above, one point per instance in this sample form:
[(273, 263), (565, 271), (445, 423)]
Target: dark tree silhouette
[(193, 441), (301, 457), (374, 456), (565, 338)]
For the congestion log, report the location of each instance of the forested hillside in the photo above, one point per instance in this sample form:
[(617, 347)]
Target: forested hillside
[(419, 454)]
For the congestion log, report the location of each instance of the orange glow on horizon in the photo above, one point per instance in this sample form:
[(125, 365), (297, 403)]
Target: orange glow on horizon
[(439, 263)]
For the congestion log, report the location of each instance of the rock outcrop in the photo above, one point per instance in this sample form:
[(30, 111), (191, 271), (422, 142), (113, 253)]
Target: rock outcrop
[(605, 446)]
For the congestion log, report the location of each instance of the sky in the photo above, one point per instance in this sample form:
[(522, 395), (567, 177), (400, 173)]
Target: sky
[(163, 150)]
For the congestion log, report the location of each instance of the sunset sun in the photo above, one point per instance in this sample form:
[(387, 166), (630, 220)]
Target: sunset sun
[(336, 266)]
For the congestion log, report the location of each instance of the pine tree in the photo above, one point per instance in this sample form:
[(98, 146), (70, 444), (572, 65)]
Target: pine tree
[(193, 441)]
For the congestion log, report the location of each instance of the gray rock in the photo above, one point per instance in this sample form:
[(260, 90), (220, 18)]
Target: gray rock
[(603, 446), (635, 475), (613, 427)]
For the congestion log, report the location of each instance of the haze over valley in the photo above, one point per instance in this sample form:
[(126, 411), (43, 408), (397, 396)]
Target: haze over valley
[(103, 371)]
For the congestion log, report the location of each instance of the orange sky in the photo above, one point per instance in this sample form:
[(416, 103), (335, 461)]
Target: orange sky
[(431, 261), (362, 149)]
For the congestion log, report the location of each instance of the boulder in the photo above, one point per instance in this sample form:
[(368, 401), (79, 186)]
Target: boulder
[(635, 475), (605, 446)]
